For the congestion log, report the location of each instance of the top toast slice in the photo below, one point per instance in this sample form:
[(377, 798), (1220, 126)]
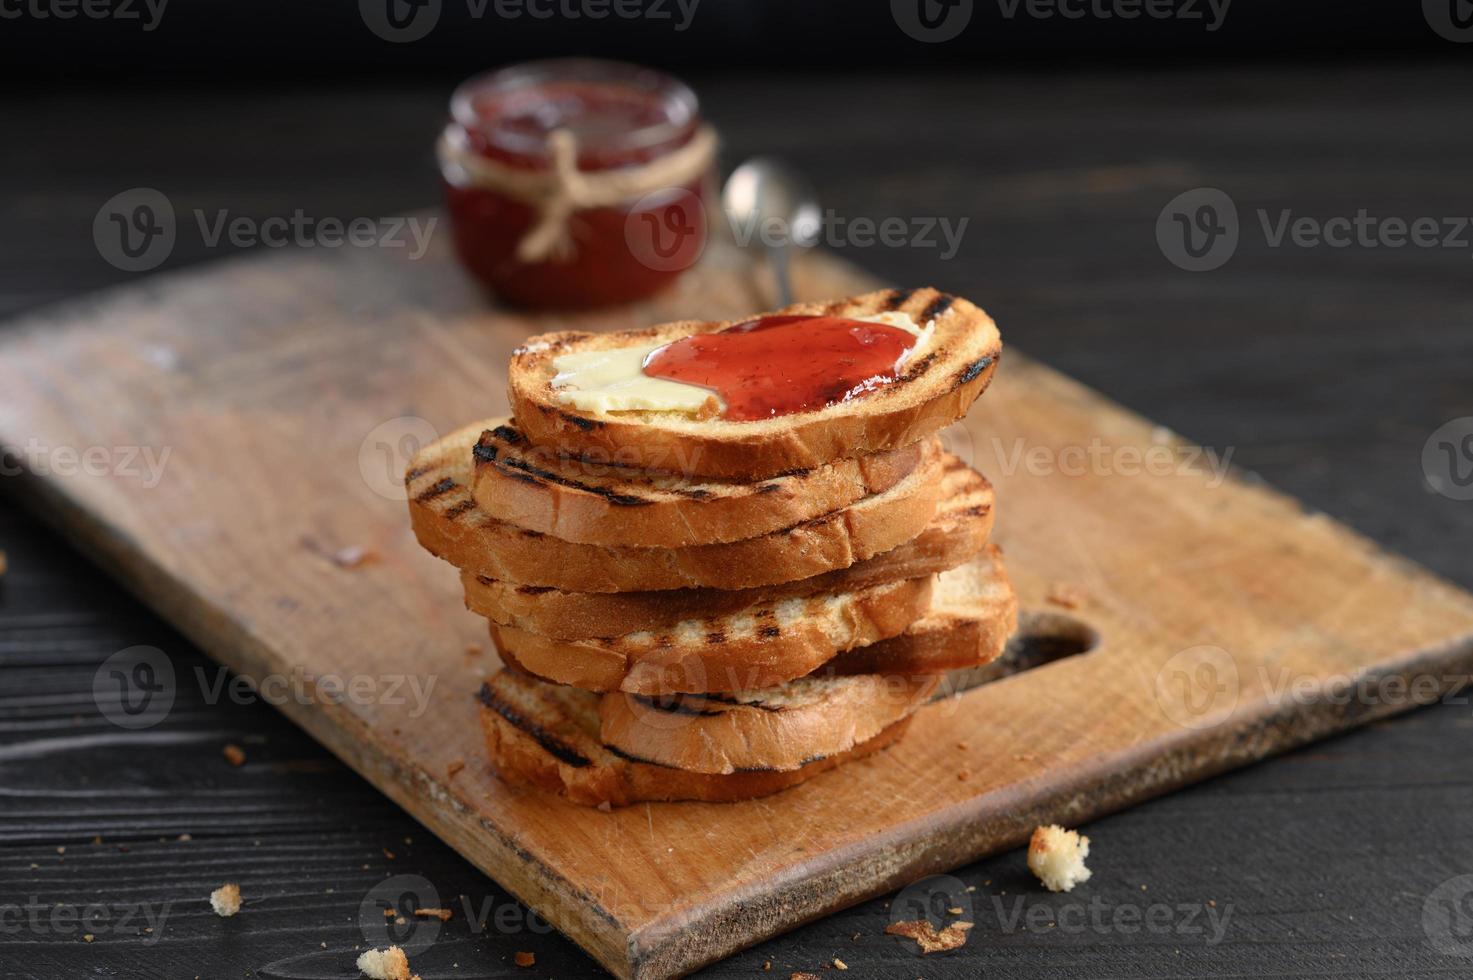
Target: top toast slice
[(935, 388), (593, 502)]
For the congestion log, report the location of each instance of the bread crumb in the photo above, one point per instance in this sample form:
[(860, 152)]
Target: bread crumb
[(767, 964), (184, 838), (799, 975), (388, 853), (1066, 594), (4, 563), (1057, 856), (353, 556), (389, 913), (225, 900), (61, 850), (442, 914), (840, 964), (953, 936), (954, 911), (525, 959), (387, 964), (88, 938), (234, 754)]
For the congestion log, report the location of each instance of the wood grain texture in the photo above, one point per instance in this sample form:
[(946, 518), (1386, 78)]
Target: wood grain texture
[(236, 369)]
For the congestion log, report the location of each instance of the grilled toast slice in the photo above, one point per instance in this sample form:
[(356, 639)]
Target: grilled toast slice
[(782, 727), (972, 613), (547, 736), (450, 525), (955, 534), (935, 387), (593, 501), (756, 647)]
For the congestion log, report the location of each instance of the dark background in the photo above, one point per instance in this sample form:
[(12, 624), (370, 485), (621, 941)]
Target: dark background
[(274, 41), (1325, 370)]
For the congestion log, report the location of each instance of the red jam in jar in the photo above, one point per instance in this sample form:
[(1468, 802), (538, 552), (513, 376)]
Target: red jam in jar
[(776, 365), (576, 183)]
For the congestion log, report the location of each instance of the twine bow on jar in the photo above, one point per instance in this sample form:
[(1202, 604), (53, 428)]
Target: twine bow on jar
[(561, 189)]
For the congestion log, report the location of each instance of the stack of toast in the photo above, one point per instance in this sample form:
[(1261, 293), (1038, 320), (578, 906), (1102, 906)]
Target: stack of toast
[(718, 559)]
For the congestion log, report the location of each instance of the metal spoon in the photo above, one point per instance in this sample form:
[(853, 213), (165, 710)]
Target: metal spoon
[(771, 204)]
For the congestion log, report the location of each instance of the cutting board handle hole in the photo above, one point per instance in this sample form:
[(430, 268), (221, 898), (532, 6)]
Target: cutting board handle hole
[(1043, 637)]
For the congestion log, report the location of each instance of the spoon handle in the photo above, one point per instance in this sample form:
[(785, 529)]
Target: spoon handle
[(778, 256)]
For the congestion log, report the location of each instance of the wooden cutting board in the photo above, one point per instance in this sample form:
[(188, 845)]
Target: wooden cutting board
[(287, 389)]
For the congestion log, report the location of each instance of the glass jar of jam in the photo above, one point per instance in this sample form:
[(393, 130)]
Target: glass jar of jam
[(576, 183)]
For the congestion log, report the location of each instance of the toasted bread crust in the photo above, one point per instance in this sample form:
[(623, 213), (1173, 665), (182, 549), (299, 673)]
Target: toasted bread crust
[(955, 534), (780, 728), (934, 391), (450, 525), (595, 502), (546, 736), (755, 648), (973, 613)]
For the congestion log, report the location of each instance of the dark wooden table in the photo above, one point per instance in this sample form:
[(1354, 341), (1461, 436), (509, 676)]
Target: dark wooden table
[(1323, 369)]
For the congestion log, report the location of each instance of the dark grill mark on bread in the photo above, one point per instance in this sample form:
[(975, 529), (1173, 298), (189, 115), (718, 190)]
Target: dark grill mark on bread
[(416, 473), (538, 734), (938, 306), (694, 493), (769, 632), (460, 508), (898, 298), (768, 488), (519, 469), (727, 699), (716, 636), (508, 435), (534, 589), (631, 757), (806, 762), (484, 453), (915, 370), (439, 489), (694, 706), (580, 421), (972, 370)]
